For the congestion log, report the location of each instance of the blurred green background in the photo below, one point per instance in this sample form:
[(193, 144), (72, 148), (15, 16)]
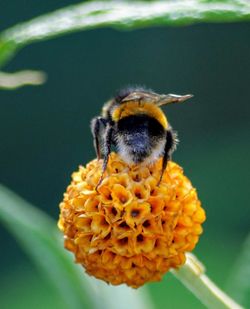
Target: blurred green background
[(45, 135)]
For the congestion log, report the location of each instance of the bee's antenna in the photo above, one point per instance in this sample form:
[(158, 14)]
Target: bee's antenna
[(172, 98)]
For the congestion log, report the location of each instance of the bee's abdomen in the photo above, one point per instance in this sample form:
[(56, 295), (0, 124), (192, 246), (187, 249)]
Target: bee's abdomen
[(138, 136)]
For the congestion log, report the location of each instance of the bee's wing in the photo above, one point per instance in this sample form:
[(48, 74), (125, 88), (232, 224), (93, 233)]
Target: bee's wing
[(142, 97), (158, 99), (172, 98)]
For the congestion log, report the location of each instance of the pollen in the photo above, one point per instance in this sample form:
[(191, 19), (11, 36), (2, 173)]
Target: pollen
[(130, 229)]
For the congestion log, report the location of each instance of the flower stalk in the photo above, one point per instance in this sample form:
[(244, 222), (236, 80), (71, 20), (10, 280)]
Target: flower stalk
[(192, 275)]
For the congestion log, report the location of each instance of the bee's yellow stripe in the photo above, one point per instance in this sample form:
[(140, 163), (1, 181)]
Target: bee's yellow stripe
[(135, 108)]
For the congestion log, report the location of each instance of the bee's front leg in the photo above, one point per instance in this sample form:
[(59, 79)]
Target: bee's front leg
[(107, 141), (170, 145), (96, 125)]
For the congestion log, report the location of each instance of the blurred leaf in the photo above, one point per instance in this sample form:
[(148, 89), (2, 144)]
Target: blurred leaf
[(239, 280), (21, 78), (38, 235), (8, 49), (121, 15)]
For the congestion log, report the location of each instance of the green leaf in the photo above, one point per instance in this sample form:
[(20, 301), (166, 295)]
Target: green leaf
[(239, 280), (8, 49), (39, 237), (119, 15), (22, 78)]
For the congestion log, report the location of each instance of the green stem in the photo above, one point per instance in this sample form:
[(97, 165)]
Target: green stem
[(122, 15), (192, 275)]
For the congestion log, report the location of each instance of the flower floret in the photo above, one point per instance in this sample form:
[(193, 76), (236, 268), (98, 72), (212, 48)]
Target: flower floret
[(131, 229)]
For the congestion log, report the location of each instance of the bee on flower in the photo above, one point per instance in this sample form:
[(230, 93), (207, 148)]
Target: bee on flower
[(136, 125), (129, 216)]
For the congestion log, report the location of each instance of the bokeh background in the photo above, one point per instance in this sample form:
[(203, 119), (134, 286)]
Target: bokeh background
[(45, 135)]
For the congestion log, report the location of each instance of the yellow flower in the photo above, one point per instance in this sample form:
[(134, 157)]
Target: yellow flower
[(131, 230)]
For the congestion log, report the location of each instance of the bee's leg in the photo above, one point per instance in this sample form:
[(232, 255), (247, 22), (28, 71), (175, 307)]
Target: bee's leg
[(95, 125), (171, 141), (106, 150)]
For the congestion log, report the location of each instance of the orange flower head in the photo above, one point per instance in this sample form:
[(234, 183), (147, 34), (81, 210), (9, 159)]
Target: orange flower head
[(131, 229)]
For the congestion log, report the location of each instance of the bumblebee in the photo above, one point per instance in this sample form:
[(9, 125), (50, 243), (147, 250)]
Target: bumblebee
[(134, 123)]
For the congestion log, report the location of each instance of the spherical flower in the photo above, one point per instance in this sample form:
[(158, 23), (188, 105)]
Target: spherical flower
[(131, 229)]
